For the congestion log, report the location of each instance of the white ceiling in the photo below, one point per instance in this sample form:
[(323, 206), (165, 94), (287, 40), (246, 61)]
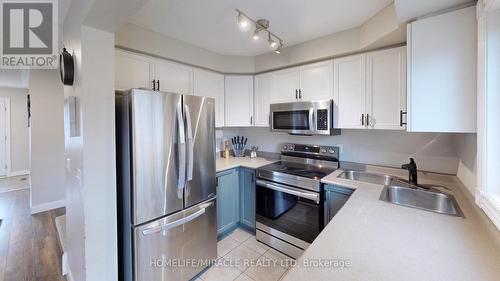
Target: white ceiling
[(410, 9), (212, 24)]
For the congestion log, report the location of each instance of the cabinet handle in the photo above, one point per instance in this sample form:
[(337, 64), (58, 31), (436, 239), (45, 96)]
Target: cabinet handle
[(154, 85), (362, 119), (401, 123), (300, 94), (296, 94), (158, 88), (367, 119), (251, 120)]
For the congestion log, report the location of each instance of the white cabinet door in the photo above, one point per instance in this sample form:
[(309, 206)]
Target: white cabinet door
[(349, 91), (133, 71), (316, 81), (442, 53), (262, 95), (174, 77), (238, 100), (386, 88), (211, 84), (286, 85)]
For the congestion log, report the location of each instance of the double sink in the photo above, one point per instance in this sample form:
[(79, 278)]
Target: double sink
[(399, 192)]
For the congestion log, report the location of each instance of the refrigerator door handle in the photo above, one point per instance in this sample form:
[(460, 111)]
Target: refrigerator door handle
[(184, 220), (181, 181), (190, 144)]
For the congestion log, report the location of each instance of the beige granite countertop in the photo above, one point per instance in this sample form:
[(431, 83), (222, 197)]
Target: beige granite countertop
[(383, 241), (247, 162)]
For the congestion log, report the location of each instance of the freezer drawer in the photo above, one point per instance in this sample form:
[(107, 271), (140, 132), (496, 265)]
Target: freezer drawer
[(161, 247)]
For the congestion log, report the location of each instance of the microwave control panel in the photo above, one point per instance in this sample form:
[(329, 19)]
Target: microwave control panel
[(322, 119)]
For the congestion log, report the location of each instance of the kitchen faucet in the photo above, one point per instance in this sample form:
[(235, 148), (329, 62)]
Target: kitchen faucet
[(412, 169)]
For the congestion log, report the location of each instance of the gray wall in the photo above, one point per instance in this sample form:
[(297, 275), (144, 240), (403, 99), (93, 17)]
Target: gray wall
[(19, 132), (432, 151)]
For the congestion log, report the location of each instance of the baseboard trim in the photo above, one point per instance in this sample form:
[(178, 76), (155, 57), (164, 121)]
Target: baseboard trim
[(19, 173), (48, 206)]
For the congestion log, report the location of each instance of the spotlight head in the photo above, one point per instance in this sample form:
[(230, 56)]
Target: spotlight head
[(243, 22), (271, 42), (255, 35)]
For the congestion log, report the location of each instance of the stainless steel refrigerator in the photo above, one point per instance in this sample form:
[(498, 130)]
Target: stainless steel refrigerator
[(166, 185)]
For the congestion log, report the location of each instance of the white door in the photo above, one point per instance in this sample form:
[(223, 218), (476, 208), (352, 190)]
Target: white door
[(238, 100), (316, 81), (386, 88), (173, 77), (286, 85), (211, 84), (262, 96), (3, 137), (133, 71), (349, 90)]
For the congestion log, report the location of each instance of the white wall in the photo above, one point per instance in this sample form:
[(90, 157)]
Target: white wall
[(47, 141), (140, 39), (432, 151), (379, 31), (90, 173), (19, 132)]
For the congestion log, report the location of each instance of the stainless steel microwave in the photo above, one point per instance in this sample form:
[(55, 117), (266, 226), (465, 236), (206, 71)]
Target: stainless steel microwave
[(303, 118)]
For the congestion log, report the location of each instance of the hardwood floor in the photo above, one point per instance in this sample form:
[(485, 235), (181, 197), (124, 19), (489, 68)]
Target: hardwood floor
[(29, 245)]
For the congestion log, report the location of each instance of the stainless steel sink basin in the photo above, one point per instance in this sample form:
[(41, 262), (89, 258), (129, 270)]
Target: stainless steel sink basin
[(433, 201), (367, 177)]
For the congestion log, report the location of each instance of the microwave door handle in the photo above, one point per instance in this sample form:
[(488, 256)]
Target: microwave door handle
[(312, 127), (181, 149), (284, 189), (184, 220)]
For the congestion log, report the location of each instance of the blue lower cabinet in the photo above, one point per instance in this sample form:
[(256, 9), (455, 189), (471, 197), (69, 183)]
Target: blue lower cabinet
[(227, 201), (247, 198)]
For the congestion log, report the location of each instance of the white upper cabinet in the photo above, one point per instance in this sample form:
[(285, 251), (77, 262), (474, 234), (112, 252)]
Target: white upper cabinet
[(316, 81), (286, 85), (305, 83), (238, 100), (386, 89), (262, 99), (370, 90), (133, 71), (442, 53), (174, 77), (211, 84), (349, 92)]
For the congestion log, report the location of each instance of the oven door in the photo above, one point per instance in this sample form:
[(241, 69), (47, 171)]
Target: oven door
[(282, 209), (294, 118)]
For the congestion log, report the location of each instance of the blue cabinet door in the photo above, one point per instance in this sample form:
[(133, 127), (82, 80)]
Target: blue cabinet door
[(247, 198), (227, 201)]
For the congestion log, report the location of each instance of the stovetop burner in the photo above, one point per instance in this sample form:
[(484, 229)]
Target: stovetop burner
[(299, 169)]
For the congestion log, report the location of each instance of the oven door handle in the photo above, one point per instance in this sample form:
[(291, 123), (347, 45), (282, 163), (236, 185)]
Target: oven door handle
[(289, 190)]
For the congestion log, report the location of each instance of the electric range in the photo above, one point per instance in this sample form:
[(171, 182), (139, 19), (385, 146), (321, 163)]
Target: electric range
[(290, 197)]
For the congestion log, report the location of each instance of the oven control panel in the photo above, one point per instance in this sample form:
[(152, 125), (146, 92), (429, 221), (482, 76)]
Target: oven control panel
[(332, 151)]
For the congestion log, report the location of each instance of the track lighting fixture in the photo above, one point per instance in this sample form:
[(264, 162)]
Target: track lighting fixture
[(261, 25)]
